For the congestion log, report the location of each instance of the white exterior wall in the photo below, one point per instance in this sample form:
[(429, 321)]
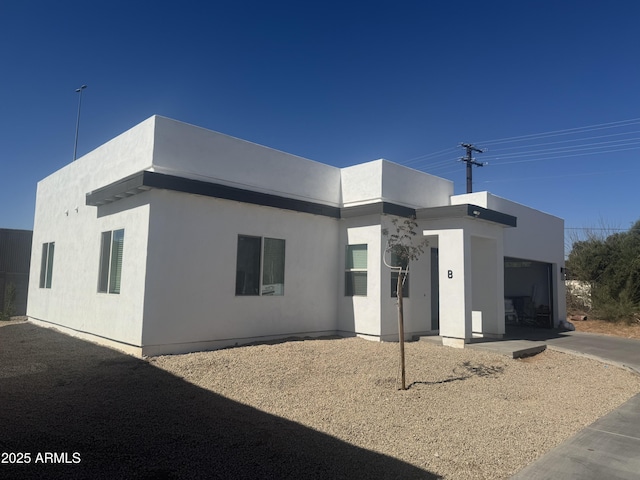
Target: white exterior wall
[(62, 217), (191, 274), (361, 184), (381, 180), (471, 279), (538, 237), (413, 188), (193, 152), (416, 307), (360, 314), (179, 264)]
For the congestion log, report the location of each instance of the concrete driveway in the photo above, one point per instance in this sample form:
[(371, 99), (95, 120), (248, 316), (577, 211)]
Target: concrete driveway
[(610, 447)]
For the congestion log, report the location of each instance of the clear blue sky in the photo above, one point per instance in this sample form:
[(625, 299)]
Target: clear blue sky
[(340, 83)]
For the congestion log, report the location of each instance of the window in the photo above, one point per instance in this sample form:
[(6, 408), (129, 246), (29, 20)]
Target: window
[(46, 264), (397, 262), (355, 277), (260, 266), (111, 250)]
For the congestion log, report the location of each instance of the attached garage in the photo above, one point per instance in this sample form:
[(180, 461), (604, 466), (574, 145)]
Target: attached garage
[(528, 292)]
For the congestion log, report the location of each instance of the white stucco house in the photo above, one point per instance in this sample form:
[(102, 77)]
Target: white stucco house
[(171, 238)]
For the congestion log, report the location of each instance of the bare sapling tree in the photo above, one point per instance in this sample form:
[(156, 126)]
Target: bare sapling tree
[(402, 247)]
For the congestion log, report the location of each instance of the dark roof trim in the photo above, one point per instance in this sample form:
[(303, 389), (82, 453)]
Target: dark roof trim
[(377, 208), (145, 180), (123, 188), (467, 210)]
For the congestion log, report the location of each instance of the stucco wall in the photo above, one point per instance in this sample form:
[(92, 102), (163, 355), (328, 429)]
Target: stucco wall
[(417, 307), (62, 217), (538, 236), (191, 273), (381, 180), (413, 188), (470, 274), (376, 315), (194, 152), (360, 314), (361, 183), (180, 249)]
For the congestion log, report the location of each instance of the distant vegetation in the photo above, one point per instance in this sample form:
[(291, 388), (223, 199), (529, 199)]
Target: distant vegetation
[(610, 265), (9, 307)]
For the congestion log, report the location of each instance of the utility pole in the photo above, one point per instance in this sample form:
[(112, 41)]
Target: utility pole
[(470, 163)]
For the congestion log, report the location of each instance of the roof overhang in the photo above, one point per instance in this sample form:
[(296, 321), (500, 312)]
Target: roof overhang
[(145, 180), (466, 210), (377, 208), (113, 192)]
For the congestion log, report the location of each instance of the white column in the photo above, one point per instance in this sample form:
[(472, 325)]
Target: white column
[(455, 287)]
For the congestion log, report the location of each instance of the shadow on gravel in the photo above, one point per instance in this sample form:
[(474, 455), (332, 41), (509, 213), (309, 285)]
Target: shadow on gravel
[(128, 419), (468, 370)]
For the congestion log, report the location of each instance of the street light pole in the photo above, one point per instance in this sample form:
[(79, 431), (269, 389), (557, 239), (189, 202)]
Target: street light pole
[(75, 147)]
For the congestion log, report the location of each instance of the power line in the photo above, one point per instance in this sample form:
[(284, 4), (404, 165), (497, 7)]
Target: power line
[(543, 155), (566, 141), (471, 162), (566, 131), (533, 137), (434, 154), (549, 177), (572, 148), (564, 156)]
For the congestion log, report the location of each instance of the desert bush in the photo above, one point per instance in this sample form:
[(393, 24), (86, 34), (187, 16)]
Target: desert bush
[(611, 266)]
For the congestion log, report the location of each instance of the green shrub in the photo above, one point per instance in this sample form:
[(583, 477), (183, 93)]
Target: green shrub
[(611, 266)]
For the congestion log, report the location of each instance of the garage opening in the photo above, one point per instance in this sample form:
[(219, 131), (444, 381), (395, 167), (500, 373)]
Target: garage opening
[(528, 293)]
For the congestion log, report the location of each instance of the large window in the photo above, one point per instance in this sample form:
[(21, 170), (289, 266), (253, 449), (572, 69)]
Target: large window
[(355, 277), (111, 250), (46, 264), (260, 266), (399, 262)]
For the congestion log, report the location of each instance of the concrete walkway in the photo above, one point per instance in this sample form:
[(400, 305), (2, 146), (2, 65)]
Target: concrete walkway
[(610, 447)]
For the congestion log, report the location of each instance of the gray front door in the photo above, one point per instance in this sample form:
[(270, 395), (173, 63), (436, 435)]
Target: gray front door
[(435, 291)]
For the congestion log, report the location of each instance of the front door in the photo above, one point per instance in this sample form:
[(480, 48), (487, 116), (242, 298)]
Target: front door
[(435, 291)]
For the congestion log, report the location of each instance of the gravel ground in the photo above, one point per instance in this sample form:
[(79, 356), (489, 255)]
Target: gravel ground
[(313, 409), (466, 414)]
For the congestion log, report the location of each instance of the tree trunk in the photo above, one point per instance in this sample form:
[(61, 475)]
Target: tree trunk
[(401, 328)]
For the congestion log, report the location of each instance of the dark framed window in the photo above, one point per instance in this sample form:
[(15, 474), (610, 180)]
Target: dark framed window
[(355, 275), (46, 264), (260, 266), (111, 252)]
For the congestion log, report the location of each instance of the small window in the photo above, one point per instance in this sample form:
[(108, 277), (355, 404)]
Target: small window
[(46, 264), (260, 266), (111, 250), (355, 277), (397, 262)]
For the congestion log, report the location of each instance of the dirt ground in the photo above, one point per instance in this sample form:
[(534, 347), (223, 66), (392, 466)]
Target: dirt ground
[(619, 329), (124, 418), (97, 413)]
